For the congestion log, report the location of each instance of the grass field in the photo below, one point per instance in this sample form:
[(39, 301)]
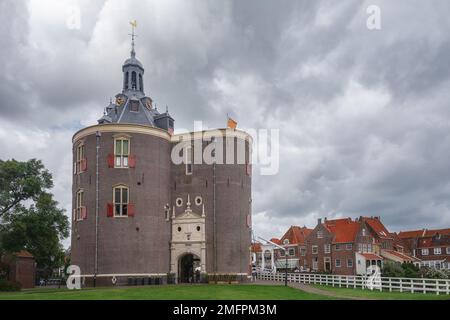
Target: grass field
[(180, 292), (212, 292), (346, 292)]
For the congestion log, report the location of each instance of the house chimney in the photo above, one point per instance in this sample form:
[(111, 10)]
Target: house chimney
[(319, 221), (325, 220)]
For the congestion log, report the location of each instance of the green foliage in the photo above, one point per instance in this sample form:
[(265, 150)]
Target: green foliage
[(436, 274), (20, 181), (38, 227), (9, 286), (392, 269)]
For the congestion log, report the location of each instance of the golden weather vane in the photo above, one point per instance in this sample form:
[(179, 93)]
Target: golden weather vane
[(133, 35)]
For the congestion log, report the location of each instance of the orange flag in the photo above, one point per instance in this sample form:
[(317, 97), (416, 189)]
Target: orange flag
[(232, 124)]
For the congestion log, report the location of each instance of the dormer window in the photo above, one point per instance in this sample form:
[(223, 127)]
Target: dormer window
[(134, 106), (286, 241)]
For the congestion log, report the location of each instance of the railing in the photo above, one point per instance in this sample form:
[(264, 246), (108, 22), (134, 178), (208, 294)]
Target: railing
[(412, 285)]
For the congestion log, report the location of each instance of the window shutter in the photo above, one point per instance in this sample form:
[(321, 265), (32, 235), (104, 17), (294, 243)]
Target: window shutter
[(83, 213), (83, 165), (110, 160), (132, 161), (249, 169), (131, 210), (109, 210)]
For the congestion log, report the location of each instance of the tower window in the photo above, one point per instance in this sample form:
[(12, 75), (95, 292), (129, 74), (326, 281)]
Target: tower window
[(121, 152), (127, 79), (141, 83), (188, 160), (133, 81), (80, 211), (120, 200), (80, 165)]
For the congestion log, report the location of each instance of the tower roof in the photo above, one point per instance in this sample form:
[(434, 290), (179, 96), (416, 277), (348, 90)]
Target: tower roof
[(132, 105)]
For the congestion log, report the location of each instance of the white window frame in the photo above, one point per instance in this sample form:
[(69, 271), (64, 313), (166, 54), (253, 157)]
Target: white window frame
[(350, 265), (291, 254), (437, 251), (448, 252), (303, 252), (349, 246), (79, 157), (336, 263), (424, 252), (79, 205), (320, 234), (120, 203), (327, 248), (337, 247), (315, 249), (122, 159)]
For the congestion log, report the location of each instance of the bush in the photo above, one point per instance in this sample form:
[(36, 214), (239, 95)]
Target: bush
[(9, 286), (437, 274), (393, 269)]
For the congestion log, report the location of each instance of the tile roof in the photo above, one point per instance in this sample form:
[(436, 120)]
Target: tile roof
[(275, 240), (296, 235), (378, 227), (256, 247), (401, 255), (24, 254), (344, 230), (422, 233)]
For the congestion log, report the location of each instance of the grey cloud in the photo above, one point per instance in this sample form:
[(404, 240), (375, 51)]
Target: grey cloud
[(362, 114)]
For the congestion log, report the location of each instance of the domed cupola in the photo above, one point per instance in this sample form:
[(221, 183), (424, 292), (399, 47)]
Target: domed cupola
[(133, 73)]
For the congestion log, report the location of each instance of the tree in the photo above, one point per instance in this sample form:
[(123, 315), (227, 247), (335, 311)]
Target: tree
[(20, 181), (38, 228)]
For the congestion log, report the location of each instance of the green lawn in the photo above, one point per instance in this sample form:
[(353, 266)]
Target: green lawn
[(385, 295), (180, 292)]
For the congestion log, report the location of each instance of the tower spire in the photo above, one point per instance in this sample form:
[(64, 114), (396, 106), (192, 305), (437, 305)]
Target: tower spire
[(133, 36)]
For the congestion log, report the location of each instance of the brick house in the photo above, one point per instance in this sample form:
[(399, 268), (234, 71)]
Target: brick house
[(294, 241), (345, 246), (21, 268), (432, 247)]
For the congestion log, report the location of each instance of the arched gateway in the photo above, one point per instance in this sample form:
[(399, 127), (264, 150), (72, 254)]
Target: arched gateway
[(188, 245)]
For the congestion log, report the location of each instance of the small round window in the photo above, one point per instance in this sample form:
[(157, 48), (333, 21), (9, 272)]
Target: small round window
[(179, 202), (198, 228), (198, 201), (179, 229)]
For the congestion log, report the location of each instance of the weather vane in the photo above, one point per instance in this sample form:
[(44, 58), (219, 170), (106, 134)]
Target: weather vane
[(133, 36)]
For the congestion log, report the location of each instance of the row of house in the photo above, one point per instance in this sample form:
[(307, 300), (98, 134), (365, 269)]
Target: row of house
[(349, 246)]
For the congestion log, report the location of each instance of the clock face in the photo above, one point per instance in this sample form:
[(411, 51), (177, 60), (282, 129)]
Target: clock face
[(120, 101)]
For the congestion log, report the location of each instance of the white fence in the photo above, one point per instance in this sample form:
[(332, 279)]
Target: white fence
[(412, 285)]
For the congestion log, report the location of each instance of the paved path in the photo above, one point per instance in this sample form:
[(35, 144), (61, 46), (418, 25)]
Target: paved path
[(309, 289)]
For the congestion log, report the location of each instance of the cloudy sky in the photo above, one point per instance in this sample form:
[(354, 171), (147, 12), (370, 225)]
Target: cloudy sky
[(363, 114)]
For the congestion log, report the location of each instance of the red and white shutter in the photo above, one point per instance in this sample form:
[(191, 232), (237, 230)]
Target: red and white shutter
[(110, 160), (249, 220), (83, 165), (109, 210), (131, 210), (132, 161), (83, 213)]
